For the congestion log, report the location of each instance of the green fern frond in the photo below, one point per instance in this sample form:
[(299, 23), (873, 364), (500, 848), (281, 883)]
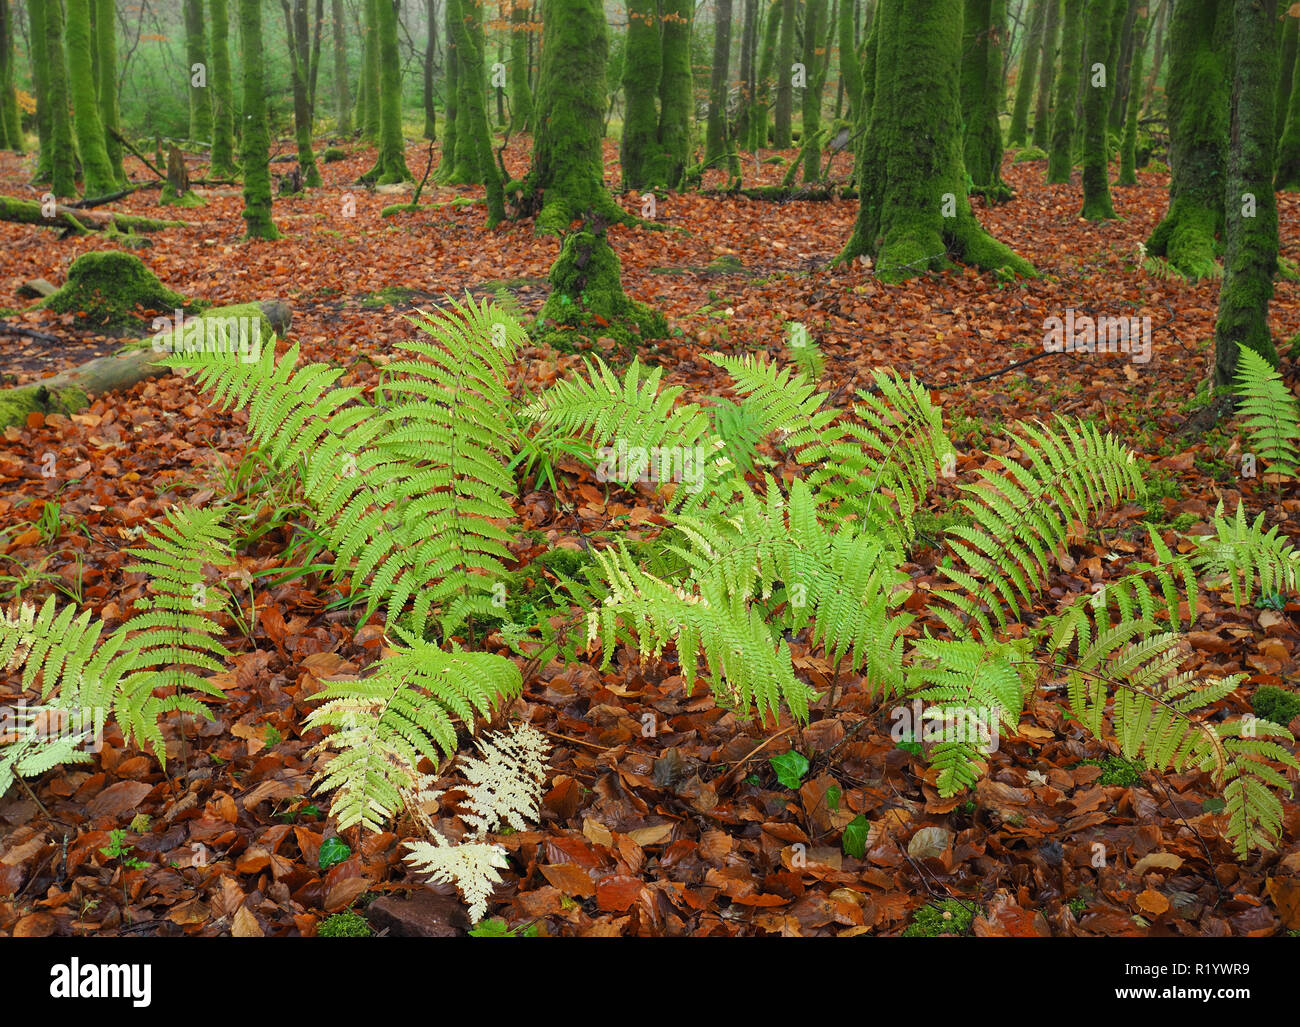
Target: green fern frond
[(1023, 515), (1271, 415), (405, 711), (1248, 556), (29, 747)]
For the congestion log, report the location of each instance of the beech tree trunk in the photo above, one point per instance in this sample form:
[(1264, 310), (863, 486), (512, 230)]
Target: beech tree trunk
[(983, 24), (1250, 250), (222, 164), (1018, 131), (715, 145), (196, 60), (1046, 76), (783, 129), (1097, 204), (643, 57), (1128, 150), (913, 210), (1060, 161), (255, 140), (1200, 37), (63, 158), (390, 166)]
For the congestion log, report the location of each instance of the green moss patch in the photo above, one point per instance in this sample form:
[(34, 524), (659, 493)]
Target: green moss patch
[(108, 289), (948, 916), (1278, 705), (16, 404)]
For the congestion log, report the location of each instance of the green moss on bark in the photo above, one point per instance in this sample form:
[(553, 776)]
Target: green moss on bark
[(1060, 160), (342, 83), (913, 212), (587, 301), (469, 39), (641, 65), (105, 288), (815, 61), (1200, 35), (196, 54), (521, 94), (1250, 257), (11, 130), (106, 84), (370, 64), (715, 138), (1026, 79), (1097, 204), (390, 167), (758, 120), (296, 29), (981, 95), (1046, 75), (222, 164), (40, 65), (1128, 149), (1288, 155), (97, 173), (676, 95), (255, 142), (783, 112), (850, 65), (62, 156)]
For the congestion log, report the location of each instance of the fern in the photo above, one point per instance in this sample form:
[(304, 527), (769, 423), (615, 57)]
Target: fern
[(28, 748), (1271, 413), (1024, 515), (161, 647), (505, 786), (1247, 555), (405, 711)]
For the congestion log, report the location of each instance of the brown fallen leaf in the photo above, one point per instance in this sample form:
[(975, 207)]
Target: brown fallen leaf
[(245, 925), (1157, 860), (1153, 902)]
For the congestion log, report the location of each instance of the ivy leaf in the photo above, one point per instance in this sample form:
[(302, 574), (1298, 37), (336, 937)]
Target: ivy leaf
[(832, 798), (790, 768), (333, 851), (855, 837)]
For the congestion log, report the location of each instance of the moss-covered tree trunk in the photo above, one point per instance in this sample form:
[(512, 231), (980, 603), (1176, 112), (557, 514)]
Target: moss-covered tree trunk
[(371, 115), (11, 129), (1288, 151), (587, 298), (1200, 36), (1128, 149), (641, 68), (1097, 204), (427, 65), (983, 23), (1250, 250), (1157, 52), (913, 211), (97, 172), (850, 63), (255, 139), (470, 43), (196, 66), (461, 166), (676, 94), (451, 143), (1018, 131), (105, 28), (521, 92), (815, 62), (748, 60), (40, 65), (1042, 137), (390, 166), (62, 156), (342, 93), (1286, 71), (222, 164), (783, 112), (758, 125), (298, 40), (1125, 14), (1060, 160), (715, 139)]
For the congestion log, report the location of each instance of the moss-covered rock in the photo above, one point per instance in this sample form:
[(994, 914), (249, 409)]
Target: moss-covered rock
[(16, 404), (333, 155), (1028, 154), (1278, 705), (106, 288)]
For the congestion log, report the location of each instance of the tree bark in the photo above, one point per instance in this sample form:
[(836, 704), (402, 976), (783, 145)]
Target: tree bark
[(222, 162), (39, 58), (430, 48), (913, 210), (298, 40), (676, 94), (11, 132), (1200, 35), (815, 61), (641, 70), (983, 24), (521, 93), (1060, 160), (31, 212), (1018, 131), (783, 129), (255, 141), (1046, 76), (390, 166), (470, 43), (715, 144), (196, 59), (371, 117), (1250, 250), (758, 136), (97, 173), (1100, 78), (1128, 150)]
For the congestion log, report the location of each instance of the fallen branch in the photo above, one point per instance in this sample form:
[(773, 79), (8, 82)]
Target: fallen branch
[(70, 390), (29, 212)]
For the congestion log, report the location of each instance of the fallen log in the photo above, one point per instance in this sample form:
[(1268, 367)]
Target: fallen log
[(29, 212), (70, 390)]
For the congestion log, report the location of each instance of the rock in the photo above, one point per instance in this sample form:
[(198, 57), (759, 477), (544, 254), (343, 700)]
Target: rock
[(37, 287), (425, 914)]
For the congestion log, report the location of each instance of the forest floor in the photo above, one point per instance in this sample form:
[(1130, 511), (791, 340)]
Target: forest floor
[(689, 831)]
